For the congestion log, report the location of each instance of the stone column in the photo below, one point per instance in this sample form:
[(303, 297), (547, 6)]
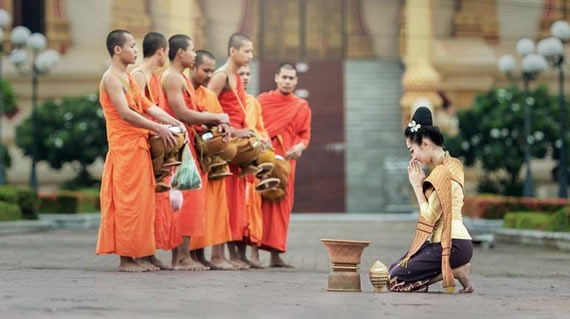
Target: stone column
[(421, 80)]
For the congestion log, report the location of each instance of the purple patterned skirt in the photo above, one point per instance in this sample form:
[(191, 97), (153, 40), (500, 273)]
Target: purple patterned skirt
[(426, 265)]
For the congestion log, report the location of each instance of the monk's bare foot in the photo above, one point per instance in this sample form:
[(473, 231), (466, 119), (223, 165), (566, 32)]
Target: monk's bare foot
[(277, 262), (244, 260), (146, 264), (199, 256), (156, 262), (189, 264), (174, 260), (254, 261), (463, 274), (130, 265), (229, 261), (222, 264), (255, 264), (239, 263)]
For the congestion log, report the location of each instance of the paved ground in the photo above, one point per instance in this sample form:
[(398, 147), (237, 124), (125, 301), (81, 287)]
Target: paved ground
[(56, 275)]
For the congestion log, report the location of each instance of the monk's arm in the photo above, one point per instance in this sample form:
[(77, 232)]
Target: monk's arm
[(303, 136), (218, 82), (139, 80), (154, 111), (304, 129), (116, 94), (163, 117), (174, 91)]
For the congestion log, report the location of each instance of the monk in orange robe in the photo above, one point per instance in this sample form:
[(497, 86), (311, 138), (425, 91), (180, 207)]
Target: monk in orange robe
[(127, 185), (254, 119), (180, 100), (155, 53), (217, 225), (287, 119), (227, 85)]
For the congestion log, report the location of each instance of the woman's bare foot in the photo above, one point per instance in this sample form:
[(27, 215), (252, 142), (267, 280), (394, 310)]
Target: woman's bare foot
[(146, 264), (128, 264), (463, 274), (222, 264), (156, 262), (189, 264)]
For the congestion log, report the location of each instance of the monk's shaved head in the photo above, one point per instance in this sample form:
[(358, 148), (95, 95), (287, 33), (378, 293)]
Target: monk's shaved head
[(237, 40), (152, 42), (286, 66), (286, 78), (116, 38), (201, 54), (176, 43)]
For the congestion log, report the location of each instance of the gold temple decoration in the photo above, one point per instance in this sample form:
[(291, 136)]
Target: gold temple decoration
[(476, 18)]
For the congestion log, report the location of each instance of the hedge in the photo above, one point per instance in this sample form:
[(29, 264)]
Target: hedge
[(10, 211), (58, 203), (495, 207), (558, 221), (27, 199), (69, 202)]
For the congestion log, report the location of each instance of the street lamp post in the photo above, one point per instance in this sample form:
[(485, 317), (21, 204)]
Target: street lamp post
[(532, 65), (41, 63), (5, 21), (553, 50)]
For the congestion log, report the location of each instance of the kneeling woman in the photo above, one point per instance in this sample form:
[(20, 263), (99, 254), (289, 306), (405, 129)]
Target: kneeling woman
[(447, 253)]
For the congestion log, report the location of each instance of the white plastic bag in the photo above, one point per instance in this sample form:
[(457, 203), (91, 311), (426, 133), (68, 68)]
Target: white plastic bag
[(176, 200)]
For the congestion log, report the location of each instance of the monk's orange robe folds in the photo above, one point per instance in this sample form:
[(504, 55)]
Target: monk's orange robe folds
[(235, 185), (127, 185), (289, 117), (191, 216), (217, 227), (254, 120), (166, 232)]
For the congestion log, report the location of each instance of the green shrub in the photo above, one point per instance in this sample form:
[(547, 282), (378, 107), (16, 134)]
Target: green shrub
[(561, 219), (88, 201), (58, 203), (7, 158), (9, 211), (545, 221), (510, 220), (29, 203), (9, 194), (26, 198)]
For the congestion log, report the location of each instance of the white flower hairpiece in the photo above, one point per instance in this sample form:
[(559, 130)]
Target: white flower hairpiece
[(414, 127)]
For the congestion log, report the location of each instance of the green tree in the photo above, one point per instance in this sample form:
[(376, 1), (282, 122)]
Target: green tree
[(10, 106), (555, 139), (71, 130), (491, 134)]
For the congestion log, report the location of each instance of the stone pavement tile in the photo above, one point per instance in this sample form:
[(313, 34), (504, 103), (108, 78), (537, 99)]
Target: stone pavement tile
[(56, 275)]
